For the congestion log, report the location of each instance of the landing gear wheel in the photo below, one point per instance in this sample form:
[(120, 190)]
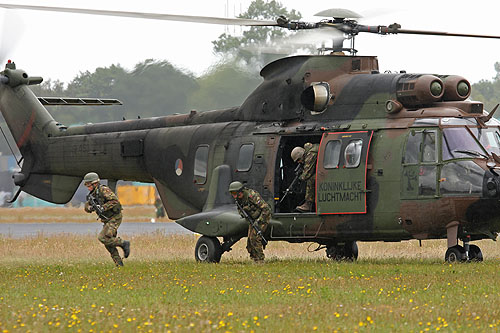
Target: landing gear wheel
[(208, 249), (454, 254), (475, 253), (343, 252)]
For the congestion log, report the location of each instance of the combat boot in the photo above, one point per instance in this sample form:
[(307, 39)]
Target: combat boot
[(305, 207), (118, 261), (126, 248)]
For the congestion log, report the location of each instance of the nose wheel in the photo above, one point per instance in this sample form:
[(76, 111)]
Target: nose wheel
[(208, 249)]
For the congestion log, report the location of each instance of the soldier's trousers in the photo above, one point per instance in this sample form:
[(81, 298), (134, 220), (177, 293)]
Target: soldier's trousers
[(310, 189), (108, 237), (254, 243)]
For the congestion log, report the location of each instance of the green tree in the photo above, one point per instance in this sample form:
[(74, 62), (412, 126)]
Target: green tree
[(488, 92), (102, 83), (156, 88), (226, 85), (242, 47), (49, 88)]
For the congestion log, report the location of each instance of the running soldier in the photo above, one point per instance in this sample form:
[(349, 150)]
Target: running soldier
[(105, 203), (308, 156), (253, 204)]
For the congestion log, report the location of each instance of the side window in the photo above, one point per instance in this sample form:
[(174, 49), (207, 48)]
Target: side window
[(352, 153), (413, 147), (245, 157), (421, 147), (332, 154), (200, 164)]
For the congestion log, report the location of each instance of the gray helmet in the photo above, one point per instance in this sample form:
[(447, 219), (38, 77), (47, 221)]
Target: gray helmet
[(91, 177), (297, 153), (235, 187)]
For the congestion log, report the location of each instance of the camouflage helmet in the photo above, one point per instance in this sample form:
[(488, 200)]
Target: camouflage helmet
[(297, 153), (91, 177), (235, 186)]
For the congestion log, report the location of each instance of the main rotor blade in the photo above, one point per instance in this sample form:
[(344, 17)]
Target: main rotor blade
[(152, 16), (440, 33), (396, 29)]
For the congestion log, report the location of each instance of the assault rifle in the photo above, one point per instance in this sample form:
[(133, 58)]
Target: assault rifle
[(96, 206), (252, 222), (298, 172)]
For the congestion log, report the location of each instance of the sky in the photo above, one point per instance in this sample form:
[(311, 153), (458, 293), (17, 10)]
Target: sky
[(59, 46)]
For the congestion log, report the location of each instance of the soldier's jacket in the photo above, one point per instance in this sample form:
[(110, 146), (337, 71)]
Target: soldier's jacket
[(254, 206), (310, 158), (107, 200)]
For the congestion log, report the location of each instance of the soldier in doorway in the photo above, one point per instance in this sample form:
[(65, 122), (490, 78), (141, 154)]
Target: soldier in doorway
[(308, 156), (107, 207), (258, 210)]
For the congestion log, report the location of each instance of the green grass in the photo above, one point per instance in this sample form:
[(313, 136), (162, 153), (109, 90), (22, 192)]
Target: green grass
[(236, 295)]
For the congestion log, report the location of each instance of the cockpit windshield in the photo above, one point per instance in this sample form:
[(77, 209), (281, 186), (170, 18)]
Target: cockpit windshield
[(489, 138), (458, 142)]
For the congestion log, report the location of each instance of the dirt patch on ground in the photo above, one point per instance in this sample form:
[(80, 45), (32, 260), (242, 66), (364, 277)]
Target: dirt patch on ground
[(71, 214)]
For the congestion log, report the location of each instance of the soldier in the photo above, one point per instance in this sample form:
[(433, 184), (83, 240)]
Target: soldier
[(160, 211), (308, 156), (257, 209), (105, 203)]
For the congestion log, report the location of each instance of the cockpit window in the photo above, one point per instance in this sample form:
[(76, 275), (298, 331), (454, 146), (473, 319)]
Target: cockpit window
[(489, 138), (459, 143), (461, 178), (458, 121), (429, 147)]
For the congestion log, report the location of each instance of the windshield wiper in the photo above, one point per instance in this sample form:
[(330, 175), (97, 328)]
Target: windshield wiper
[(471, 152)]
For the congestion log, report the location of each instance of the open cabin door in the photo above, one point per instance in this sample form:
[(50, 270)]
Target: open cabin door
[(341, 172)]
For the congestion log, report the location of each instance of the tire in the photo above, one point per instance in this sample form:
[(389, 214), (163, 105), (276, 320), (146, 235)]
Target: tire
[(475, 253), (208, 249), (351, 251), (346, 252), (454, 254)]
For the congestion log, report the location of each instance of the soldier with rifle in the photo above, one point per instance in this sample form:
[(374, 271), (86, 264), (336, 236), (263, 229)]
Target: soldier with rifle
[(307, 157), (257, 212), (107, 207)]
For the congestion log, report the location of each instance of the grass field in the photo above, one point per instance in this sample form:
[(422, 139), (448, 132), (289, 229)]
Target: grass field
[(68, 283)]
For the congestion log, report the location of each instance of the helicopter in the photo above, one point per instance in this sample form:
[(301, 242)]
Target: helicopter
[(401, 156)]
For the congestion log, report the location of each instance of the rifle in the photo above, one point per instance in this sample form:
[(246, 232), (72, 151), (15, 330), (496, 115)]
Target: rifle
[(252, 222), (298, 172), (94, 203)]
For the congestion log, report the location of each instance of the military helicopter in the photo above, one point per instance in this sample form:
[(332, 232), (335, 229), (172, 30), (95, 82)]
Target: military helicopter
[(401, 156)]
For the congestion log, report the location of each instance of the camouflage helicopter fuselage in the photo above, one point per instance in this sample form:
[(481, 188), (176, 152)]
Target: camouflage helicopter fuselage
[(402, 156)]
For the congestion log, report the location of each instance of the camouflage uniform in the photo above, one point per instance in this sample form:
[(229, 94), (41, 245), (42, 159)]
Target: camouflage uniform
[(309, 173), (160, 211), (253, 204), (112, 219)]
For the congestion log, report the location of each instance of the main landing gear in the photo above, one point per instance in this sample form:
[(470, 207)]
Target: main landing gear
[(347, 251), (457, 253), (467, 252)]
